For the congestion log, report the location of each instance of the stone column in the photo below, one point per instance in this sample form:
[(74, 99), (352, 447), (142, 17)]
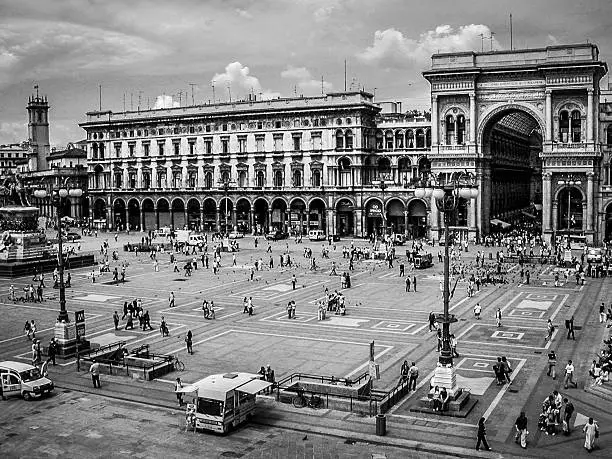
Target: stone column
[(590, 116), (201, 218), (251, 221), (358, 222), (548, 115), (406, 219), (472, 213), (186, 216), (546, 198), (434, 120), (434, 214), (218, 219), (473, 117), (590, 202), (555, 214), (269, 221), (142, 225)]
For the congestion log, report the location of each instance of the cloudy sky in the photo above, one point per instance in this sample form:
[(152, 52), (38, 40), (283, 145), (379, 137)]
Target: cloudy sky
[(152, 50)]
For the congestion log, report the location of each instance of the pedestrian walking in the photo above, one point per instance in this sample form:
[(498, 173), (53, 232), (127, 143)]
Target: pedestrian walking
[(178, 389), (270, 378), (171, 300), (521, 430), (567, 416), (52, 350), (413, 375), (477, 311), (293, 281), (591, 432), (407, 283), (482, 435), (453, 343), (552, 363), (189, 342), (550, 329), (602, 313), (498, 317), (569, 325), (414, 283), (569, 375), (116, 319), (432, 321), (94, 369)]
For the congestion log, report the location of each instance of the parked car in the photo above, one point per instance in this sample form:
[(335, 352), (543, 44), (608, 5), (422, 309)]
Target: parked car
[(276, 235), (73, 236), (594, 255), (236, 235)]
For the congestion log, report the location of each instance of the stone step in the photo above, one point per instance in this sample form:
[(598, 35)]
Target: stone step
[(604, 391)]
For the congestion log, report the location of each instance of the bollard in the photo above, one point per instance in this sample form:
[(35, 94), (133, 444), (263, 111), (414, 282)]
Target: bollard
[(381, 425)]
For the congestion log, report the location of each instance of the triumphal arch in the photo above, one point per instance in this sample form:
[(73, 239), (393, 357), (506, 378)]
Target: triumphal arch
[(525, 122)]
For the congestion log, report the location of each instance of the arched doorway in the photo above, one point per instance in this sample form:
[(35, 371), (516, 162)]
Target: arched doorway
[(119, 214), (178, 214), (134, 214), (148, 211), (226, 216), (297, 216), (396, 220), (569, 215), (374, 217), (260, 216), (210, 214), (67, 208), (512, 141), (243, 210), (99, 211), (193, 215), (279, 214), (316, 215), (163, 213), (345, 221), (417, 219), (608, 228)]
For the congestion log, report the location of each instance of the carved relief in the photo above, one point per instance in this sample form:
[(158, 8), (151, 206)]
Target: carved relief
[(511, 96)]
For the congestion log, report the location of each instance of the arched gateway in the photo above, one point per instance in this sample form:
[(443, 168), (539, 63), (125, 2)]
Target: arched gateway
[(525, 122)]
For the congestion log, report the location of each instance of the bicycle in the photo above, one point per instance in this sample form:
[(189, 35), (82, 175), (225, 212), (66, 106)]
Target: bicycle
[(178, 365), (300, 401)]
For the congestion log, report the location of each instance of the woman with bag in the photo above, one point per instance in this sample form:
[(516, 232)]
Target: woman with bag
[(591, 432)]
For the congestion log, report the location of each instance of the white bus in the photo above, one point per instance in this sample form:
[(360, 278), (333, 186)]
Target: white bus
[(221, 402)]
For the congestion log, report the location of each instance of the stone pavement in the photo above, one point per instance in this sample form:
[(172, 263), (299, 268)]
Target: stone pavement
[(378, 309)]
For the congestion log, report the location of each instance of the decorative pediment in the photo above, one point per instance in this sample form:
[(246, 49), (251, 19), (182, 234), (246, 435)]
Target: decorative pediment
[(242, 166)]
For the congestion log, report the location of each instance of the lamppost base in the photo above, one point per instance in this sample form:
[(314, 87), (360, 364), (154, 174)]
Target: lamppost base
[(63, 317), (444, 376)]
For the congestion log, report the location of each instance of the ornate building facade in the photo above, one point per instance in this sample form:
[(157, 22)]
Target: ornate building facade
[(527, 123), (331, 162)]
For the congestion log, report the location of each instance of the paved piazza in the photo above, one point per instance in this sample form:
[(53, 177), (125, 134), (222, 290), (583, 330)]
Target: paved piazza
[(378, 309)]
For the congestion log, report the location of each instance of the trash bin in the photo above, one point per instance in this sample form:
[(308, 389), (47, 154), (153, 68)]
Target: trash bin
[(381, 425)]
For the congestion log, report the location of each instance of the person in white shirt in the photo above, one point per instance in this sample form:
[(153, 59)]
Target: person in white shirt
[(569, 374), (477, 310)]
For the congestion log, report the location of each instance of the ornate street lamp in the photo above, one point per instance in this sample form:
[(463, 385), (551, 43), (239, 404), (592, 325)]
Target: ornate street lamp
[(58, 200), (447, 195)]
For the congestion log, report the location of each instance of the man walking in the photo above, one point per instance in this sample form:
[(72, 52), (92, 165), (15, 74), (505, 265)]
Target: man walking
[(270, 378), (521, 430), (413, 374), (567, 415), (414, 283), (407, 284), (552, 363), (171, 303), (189, 342), (477, 311), (602, 313), (569, 375), (293, 281), (498, 317), (116, 320), (569, 324), (95, 374)]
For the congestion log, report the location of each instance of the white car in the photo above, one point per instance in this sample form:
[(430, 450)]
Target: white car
[(235, 235)]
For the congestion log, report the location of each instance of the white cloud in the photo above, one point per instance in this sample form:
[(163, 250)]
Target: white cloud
[(13, 132), (305, 81), (392, 49), (243, 13), (240, 82), (552, 39), (165, 101)]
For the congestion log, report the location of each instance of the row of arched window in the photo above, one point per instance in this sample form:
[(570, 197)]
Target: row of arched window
[(403, 139)]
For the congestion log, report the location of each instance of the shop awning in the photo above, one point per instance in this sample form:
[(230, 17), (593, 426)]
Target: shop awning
[(497, 222), (254, 386)]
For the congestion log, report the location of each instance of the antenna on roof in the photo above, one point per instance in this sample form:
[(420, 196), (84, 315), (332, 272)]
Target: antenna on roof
[(229, 91), (511, 43), (322, 91), (131, 101), (192, 99), (124, 102), (100, 95), (344, 75), (212, 83), (491, 39), (139, 99), (482, 42)]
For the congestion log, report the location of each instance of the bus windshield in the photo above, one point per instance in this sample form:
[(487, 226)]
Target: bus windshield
[(210, 407)]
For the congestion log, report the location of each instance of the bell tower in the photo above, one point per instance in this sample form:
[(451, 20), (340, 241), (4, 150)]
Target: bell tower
[(38, 131)]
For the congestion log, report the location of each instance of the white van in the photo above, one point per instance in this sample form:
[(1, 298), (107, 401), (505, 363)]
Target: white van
[(23, 379), (223, 401), (316, 235)]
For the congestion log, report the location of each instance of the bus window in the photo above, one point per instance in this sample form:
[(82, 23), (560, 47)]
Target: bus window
[(211, 407), (229, 404)]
